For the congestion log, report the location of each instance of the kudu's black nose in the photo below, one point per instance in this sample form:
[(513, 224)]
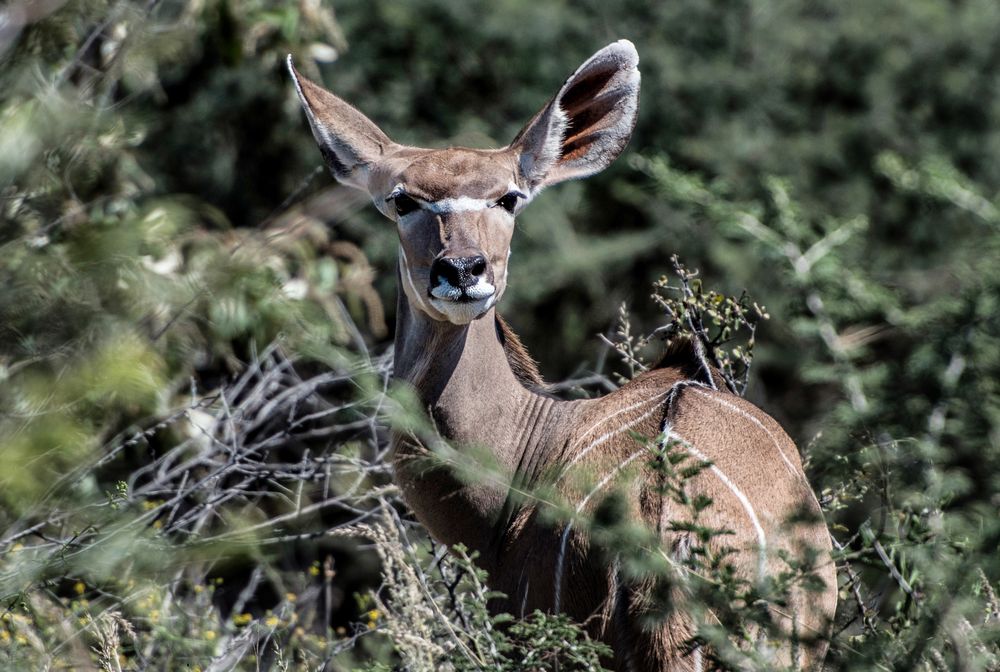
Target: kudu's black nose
[(460, 272)]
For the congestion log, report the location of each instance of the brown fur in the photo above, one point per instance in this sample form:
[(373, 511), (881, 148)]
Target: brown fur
[(679, 354), (481, 388), (682, 354), (523, 365)]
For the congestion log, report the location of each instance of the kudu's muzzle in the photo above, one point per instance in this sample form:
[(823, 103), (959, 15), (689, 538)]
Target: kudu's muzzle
[(461, 278)]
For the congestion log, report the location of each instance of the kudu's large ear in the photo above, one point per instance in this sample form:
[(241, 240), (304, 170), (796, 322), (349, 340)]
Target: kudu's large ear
[(587, 125), (349, 141)]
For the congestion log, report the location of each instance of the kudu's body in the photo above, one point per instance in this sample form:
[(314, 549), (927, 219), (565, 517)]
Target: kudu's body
[(454, 209)]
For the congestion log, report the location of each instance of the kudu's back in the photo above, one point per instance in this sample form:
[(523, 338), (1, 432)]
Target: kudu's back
[(761, 503)]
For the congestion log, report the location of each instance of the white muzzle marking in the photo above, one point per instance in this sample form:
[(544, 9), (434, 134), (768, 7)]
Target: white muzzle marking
[(446, 299), (480, 290)]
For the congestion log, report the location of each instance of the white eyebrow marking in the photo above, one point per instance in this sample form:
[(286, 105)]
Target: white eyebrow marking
[(458, 204)]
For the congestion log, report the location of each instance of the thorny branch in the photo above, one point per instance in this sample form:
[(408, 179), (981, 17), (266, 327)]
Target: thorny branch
[(278, 440), (710, 321)]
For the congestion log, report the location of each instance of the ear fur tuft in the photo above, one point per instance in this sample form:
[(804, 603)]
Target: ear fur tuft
[(587, 124), (348, 140)]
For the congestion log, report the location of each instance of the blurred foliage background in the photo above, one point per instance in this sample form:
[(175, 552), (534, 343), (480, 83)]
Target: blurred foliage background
[(193, 316)]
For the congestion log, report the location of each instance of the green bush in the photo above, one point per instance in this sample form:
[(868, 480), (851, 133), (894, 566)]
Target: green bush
[(194, 393)]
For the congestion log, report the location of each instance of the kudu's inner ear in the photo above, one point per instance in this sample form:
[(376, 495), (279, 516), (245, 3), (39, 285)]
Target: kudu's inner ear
[(349, 141), (588, 123)]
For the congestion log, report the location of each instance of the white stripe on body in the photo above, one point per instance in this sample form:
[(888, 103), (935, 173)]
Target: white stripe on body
[(740, 496), (699, 351), (601, 439), (667, 434), (699, 664), (668, 395), (733, 407), (569, 526)]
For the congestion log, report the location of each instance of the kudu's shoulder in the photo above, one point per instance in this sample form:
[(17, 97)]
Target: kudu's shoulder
[(709, 407), (676, 396), (719, 424)]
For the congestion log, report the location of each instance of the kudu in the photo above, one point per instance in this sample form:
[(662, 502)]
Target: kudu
[(454, 211)]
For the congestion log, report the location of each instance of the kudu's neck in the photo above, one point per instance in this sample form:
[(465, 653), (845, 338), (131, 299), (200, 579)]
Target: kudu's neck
[(447, 363), (463, 379)]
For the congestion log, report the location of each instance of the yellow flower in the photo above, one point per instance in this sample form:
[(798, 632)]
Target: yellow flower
[(314, 569), (79, 587), (210, 635), (242, 619), (373, 615), (272, 621), (198, 589), (4, 636), (291, 597)]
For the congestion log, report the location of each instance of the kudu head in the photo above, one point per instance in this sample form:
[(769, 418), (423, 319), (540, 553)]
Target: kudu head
[(454, 208)]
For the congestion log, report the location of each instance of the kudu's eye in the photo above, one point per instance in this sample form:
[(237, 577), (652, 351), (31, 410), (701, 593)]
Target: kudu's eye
[(404, 204), (509, 201)]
